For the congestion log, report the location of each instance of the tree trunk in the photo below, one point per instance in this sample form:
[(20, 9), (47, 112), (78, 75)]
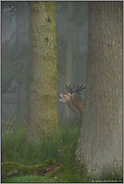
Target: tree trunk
[(100, 140), (42, 113), (68, 65), (21, 27)]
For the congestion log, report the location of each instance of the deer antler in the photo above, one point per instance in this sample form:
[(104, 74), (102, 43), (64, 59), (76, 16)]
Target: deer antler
[(73, 102), (68, 88), (78, 89)]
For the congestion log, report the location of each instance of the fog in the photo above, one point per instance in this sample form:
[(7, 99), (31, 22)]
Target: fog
[(15, 55)]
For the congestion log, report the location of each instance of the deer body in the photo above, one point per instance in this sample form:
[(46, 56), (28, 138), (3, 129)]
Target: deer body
[(73, 102)]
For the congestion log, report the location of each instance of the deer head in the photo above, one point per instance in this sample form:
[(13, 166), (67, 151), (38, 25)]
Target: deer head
[(69, 98)]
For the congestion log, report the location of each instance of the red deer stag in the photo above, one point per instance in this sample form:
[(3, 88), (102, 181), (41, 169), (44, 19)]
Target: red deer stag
[(69, 98)]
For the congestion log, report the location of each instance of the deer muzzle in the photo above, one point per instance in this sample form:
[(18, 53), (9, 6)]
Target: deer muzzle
[(60, 95)]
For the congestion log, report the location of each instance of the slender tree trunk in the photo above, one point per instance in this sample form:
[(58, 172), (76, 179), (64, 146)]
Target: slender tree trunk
[(42, 113), (100, 140), (68, 66), (21, 27)]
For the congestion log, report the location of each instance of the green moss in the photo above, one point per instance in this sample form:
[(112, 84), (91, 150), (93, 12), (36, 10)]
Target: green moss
[(47, 6), (48, 19), (23, 169), (70, 171)]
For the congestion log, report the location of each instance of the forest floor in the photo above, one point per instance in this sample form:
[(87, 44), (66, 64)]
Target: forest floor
[(48, 172), (47, 160), (52, 171)]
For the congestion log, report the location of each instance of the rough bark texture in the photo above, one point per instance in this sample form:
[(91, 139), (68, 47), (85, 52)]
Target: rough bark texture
[(42, 113), (68, 65), (100, 140)]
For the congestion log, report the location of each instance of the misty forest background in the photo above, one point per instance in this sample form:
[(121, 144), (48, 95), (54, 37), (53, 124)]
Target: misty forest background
[(44, 46), (15, 48)]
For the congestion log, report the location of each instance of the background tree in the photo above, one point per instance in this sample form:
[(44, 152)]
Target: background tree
[(78, 42), (80, 29), (14, 50), (15, 60), (42, 113), (22, 35), (68, 64), (100, 140)]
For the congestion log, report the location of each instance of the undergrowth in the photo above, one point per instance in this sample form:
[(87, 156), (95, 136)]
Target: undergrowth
[(15, 149), (61, 150)]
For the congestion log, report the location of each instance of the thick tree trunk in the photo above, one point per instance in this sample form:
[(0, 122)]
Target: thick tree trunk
[(42, 113), (100, 140), (68, 65)]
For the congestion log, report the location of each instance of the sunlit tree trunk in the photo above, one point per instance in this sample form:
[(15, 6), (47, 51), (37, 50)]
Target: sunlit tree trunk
[(68, 65), (42, 113), (100, 140)]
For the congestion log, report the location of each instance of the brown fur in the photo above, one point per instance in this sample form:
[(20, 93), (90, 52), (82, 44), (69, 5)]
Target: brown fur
[(73, 102)]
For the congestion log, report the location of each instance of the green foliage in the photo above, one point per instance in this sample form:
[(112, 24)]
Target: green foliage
[(15, 148), (44, 153), (70, 171)]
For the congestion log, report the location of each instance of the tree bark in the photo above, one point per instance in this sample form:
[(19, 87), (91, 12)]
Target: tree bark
[(42, 113), (100, 140), (68, 65)]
